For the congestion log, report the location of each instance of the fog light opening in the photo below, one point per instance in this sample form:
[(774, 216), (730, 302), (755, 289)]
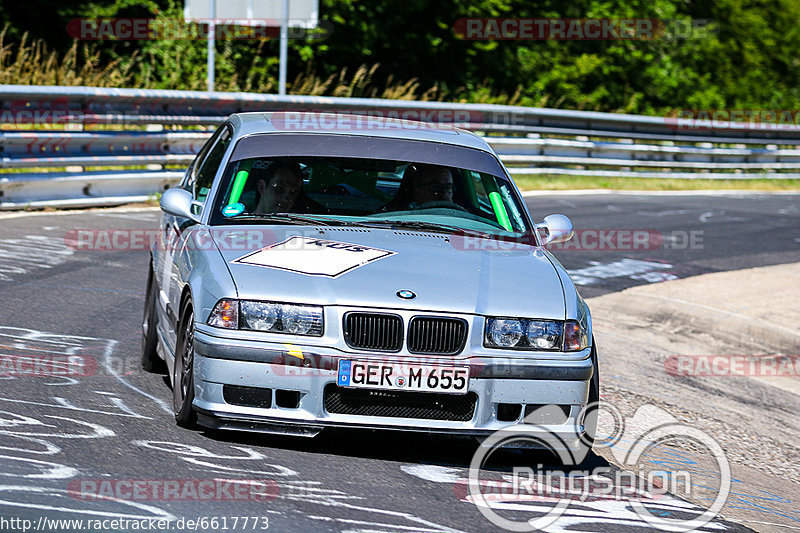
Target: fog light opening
[(547, 415), (508, 412), (287, 399)]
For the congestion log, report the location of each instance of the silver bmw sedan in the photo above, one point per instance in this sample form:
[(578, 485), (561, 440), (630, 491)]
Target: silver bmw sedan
[(319, 270)]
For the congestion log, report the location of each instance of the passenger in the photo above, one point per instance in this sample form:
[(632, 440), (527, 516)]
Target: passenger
[(279, 186)]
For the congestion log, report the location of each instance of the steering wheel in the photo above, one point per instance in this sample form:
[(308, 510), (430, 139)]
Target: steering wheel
[(442, 204)]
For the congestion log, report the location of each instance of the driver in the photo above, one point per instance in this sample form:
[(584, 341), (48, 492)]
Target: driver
[(279, 188)]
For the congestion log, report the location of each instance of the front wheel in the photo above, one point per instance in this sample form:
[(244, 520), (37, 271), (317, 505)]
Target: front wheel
[(151, 362), (183, 371), (591, 411)]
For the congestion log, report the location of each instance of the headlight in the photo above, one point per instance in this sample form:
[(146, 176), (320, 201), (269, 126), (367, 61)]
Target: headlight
[(544, 334), (272, 317), (535, 334), (505, 333), (301, 319), (260, 316)]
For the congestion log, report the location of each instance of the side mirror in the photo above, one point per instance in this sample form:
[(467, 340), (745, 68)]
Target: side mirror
[(179, 202), (555, 228)]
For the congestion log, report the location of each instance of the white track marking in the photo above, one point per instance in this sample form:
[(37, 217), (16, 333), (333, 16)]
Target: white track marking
[(279, 470), (190, 453), (592, 513), (124, 408), (430, 526), (664, 213), (308, 492), (718, 216), (607, 512), (47, 470), (155, 512), (111, 370), (29, 253), (16, 420), (31, 340), (48, 447), (435, 473), (196, 451), (61, 403), (40, 342), (98, 431), (624, 267)]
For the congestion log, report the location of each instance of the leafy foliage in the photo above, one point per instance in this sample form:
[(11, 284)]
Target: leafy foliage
[(742, 54)]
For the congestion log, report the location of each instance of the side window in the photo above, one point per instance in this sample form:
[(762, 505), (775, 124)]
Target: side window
[(188, 181), (207, 169)]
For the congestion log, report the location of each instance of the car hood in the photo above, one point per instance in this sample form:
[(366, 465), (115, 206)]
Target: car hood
[(367, 267)]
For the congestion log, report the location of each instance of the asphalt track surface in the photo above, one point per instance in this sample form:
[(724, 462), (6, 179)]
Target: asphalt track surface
[(689, 234), (115, 423)]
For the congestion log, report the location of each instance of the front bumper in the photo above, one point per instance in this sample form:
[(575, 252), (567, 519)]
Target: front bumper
[(303, 373)]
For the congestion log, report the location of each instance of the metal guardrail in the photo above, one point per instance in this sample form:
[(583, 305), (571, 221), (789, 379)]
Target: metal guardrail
[(77, 128)]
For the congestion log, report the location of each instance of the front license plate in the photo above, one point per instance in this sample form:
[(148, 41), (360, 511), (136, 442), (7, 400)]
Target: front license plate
[(401, 376)]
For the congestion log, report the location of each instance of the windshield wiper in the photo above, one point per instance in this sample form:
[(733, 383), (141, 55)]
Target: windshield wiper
[(428, 226), (290, 218)]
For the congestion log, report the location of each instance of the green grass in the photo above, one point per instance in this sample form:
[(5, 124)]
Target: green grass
[(565, 183)]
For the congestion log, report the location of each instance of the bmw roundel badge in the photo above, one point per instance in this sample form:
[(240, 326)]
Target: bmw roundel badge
[(406, 295)]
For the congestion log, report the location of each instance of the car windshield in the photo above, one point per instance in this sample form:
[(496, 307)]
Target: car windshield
[(372, 192)]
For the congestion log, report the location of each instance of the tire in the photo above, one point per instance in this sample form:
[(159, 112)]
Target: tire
[(590, 418), (151, 362), (183, 371)]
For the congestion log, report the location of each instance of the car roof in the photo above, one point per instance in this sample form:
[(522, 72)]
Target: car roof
[(333, 123)]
